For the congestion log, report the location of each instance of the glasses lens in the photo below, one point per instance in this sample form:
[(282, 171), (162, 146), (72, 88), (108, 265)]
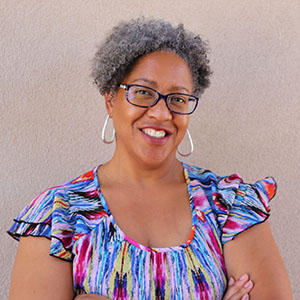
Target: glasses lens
[(141, 96), (180, 103)]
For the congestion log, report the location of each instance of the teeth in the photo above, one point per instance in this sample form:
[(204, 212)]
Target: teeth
[(154, 133)]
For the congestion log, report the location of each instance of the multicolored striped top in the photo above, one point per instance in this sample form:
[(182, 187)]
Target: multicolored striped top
[(82, 230)]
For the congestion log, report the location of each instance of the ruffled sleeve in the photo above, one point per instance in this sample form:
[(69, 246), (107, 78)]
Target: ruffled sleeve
[(48, 215), (239, 205)]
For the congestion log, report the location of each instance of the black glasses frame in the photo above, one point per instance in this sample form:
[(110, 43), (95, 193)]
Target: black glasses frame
[(126, 87)]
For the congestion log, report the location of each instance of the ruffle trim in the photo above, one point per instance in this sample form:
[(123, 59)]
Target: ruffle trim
[(22, 228), (241, 206)]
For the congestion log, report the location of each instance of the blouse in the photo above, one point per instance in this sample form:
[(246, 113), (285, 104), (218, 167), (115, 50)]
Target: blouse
[(82, 230)]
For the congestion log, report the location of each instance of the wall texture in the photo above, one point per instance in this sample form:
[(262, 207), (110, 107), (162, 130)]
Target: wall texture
[(51, 115)]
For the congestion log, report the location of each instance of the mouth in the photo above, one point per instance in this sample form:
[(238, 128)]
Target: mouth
[(159, 134)]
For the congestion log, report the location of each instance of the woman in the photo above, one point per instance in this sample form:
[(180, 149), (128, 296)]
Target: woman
[(144, 225)]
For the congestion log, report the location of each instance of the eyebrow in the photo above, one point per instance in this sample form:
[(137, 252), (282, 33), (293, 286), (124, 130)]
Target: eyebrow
[(154, 83)]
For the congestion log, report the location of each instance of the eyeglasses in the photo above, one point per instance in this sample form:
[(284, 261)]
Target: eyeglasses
[(143, 96)]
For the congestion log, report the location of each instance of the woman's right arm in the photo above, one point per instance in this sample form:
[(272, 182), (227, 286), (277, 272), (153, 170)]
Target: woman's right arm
[(36, 275)]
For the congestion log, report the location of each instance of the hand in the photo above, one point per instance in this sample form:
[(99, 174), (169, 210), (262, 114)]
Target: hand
[(239, 289), (90, 297)]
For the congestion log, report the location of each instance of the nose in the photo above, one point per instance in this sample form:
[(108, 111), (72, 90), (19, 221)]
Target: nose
[(160, 111)]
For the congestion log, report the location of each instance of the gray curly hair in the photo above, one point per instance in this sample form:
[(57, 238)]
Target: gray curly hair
[(128, 41)]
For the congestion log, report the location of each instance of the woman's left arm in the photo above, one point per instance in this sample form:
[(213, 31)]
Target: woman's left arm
[(254, 251)]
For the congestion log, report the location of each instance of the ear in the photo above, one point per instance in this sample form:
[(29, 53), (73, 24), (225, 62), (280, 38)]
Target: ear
[(109, 103)]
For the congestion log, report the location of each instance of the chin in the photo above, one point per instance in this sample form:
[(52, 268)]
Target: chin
[(156, 158)]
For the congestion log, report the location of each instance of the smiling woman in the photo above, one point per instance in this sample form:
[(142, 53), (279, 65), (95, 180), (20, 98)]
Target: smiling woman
[(144, 225), (148, 135)]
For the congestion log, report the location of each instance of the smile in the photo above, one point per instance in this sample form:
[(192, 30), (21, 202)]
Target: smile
[(155, 133)]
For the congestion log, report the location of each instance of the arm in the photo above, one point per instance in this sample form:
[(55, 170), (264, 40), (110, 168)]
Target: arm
[(235, 291), (255, 252), (36, 275)]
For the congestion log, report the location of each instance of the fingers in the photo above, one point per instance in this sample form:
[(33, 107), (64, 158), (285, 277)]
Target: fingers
[(239, 289)]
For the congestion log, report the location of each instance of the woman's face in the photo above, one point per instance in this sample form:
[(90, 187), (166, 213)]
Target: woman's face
[(151, 135)]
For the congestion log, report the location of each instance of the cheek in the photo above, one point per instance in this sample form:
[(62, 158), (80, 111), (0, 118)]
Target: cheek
[(126, 115), (182, 123)]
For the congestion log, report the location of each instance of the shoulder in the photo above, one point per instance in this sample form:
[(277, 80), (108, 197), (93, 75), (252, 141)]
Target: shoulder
[(61, 206), (62, 213), (232, 185), (79, 184), (235, 204), (76, 196), (200, 174)]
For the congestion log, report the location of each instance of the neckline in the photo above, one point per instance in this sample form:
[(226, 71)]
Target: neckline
[(139, 245)]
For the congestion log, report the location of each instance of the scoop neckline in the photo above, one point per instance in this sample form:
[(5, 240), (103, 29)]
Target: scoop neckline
[(139, 245)]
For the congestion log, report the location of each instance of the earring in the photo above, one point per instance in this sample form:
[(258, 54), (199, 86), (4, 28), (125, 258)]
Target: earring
[(104, 140), (191, 146)]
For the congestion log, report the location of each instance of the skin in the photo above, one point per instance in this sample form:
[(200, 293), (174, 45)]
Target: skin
[(149, 171), (37, 275), (141, 158), (255, 251), (148, 176)]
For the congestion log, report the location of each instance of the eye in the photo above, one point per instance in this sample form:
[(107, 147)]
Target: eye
[(178, 99), (142, 92)]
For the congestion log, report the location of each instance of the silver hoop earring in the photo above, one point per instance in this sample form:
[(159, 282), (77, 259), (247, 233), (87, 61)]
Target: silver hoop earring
[(104, 140), (191, 146)]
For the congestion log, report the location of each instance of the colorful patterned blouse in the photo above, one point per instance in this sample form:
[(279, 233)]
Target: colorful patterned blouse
[(82, 230)]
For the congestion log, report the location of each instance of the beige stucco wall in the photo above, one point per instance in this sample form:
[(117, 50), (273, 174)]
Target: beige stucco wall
[(51, 115)]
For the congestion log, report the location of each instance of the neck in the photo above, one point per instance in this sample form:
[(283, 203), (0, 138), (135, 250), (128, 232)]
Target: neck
[(126, 169)]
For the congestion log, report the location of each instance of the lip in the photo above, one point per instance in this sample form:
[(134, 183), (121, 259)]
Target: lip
[(157, 128), (154, 140)]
